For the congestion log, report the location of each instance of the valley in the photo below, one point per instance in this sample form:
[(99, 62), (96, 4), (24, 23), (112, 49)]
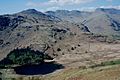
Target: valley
[(79, 43)]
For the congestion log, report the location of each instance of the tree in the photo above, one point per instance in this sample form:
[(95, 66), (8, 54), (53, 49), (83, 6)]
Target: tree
[(24, 56)]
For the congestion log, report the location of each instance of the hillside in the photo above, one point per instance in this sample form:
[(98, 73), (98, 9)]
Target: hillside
[(34, 29), (75, 40), (101, 21), (104, 21), (54, 30), (72, 16)]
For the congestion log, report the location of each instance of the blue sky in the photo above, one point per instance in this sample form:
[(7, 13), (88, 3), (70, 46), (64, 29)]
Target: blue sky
[(13, 6)]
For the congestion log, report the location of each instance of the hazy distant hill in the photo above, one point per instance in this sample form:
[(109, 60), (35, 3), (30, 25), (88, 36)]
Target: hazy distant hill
[(104, 21), (72, 16), (101, 21)]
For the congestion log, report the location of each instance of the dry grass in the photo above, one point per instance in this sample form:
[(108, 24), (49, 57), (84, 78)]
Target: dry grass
[(102, 73)]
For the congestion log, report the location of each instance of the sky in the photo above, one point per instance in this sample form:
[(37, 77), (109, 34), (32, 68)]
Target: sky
[(14, 6)]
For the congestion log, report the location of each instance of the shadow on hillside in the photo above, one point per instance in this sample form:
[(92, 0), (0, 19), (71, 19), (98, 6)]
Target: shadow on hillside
[(0, 76), (42, 69)]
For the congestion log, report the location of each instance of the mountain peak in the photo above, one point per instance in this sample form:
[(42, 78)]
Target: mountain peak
[(31, 11), (108, 10)]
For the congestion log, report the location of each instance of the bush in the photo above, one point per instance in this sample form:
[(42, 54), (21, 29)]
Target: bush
[(72, 48), (58, 49)]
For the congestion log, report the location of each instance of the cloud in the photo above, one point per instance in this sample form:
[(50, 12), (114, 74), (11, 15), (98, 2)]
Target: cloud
[(116, 7), (109, 0), (93, 8), (64, 4), (88, 9), (32, 4), (69, 2), (53, 8), (58, 2)]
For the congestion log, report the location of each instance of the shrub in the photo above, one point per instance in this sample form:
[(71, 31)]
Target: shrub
[(58, 49), (72, 48)]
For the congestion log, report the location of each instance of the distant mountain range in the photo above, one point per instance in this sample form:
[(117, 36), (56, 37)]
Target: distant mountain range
[(40, 30), (101, 21)]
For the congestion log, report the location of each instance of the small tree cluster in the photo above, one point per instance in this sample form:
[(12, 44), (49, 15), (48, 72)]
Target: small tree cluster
[(24, 56)]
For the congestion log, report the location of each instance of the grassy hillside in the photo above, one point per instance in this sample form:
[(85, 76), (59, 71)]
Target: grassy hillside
[(99, 73)]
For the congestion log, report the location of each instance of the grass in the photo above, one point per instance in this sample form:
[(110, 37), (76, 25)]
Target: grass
[(109, 70), (111, 62), (103, 73), (106, 63), (111, 73)]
